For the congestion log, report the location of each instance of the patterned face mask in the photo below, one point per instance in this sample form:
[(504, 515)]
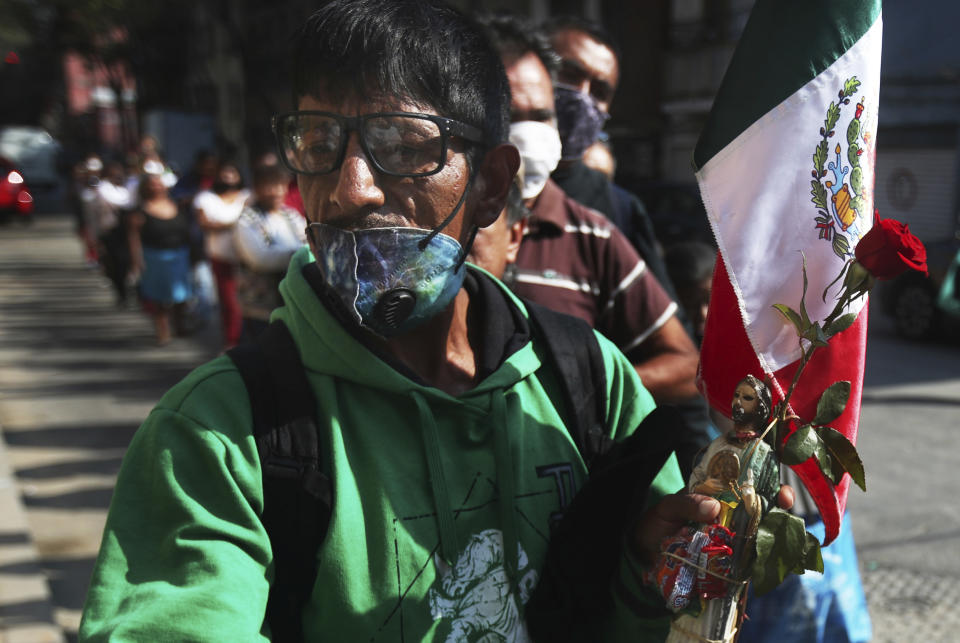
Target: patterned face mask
[(579, 120), (388, 280)]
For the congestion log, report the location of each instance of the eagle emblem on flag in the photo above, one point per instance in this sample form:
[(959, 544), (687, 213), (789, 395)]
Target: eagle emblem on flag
[(838, 187)]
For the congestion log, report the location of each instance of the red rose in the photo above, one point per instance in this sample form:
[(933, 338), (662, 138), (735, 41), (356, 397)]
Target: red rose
[(889, 249)]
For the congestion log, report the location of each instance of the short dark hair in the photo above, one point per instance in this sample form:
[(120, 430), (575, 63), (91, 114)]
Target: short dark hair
[(514, 36), (420, 50), (689, 262), (590, 27), (218, 186), (269, 175)]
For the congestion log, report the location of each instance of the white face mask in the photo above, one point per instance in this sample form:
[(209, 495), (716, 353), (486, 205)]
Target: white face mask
[(539, 145)]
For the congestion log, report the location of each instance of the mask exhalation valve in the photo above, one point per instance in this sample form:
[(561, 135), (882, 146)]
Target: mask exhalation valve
[(394, 307)]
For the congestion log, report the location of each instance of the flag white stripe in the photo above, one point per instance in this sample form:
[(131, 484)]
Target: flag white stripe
[(757, 195)]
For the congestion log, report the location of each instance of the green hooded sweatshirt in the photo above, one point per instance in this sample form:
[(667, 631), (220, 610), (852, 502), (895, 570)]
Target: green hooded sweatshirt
[(419, 544)]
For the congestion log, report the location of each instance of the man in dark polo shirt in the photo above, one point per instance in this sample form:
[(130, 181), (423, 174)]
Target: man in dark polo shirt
[(587, 79), (572, 258)]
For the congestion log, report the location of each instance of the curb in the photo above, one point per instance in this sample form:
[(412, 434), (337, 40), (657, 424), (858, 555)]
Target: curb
[(26, 608)]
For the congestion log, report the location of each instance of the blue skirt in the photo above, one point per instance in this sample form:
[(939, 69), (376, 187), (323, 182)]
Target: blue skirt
[(166, 275)]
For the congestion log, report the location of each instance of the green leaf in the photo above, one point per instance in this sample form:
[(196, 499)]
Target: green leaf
[(836, 471), (781, 548), (832, 403), (840, 324), (844, 453), (815, 335), (812, 558), (841, 247), (820, 158), (819, 193), (856, 180), (851, 86), (801, 445), (852, 131), (792, 316), (833, 114), (825, 462)]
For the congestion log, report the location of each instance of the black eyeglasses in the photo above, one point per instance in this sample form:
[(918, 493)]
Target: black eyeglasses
[(397, 143)]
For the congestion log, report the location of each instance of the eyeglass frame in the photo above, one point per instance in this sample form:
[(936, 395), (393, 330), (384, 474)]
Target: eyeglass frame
[(448, 127)]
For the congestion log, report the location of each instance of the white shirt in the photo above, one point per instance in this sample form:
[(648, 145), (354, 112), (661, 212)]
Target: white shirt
[(265, 243), (219, 243), (116, 195)]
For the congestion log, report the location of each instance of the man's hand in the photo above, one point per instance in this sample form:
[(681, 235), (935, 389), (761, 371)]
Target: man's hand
[(667, 517), (673, 512)]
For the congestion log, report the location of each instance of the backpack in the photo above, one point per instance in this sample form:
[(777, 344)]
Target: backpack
[(298, 496)]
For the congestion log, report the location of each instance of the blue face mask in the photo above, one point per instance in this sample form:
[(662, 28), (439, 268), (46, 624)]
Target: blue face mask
[(579, 120), (390, 280)]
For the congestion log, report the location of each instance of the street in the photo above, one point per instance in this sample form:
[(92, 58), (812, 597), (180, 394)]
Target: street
[(78, 374), (907, 525)]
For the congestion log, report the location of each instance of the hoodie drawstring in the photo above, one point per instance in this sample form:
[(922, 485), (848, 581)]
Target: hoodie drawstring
[(503, 408), (438, 482)]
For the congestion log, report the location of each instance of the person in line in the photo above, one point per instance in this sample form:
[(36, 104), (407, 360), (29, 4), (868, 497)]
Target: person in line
[(437, 415), (571, 258), (217, 211), (159, 235), (200, 176), (267, 235), (690, 264), (88, 202), (115, 202), (599, 157), (586, 83)]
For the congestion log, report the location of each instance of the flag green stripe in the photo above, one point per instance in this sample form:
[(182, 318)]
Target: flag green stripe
[(785, 44)]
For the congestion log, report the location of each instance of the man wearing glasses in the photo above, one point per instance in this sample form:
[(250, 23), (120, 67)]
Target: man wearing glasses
[(439, 424)]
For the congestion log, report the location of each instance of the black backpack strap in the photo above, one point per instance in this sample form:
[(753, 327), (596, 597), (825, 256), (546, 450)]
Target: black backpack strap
[(575, 594), (296, 493), (574, 354)]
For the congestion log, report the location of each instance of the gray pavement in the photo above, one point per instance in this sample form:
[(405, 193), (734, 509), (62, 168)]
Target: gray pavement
[(78, 375)]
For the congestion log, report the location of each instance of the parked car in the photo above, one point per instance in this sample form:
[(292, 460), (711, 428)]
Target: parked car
[(914, 300), (34, 152), (16, 202)]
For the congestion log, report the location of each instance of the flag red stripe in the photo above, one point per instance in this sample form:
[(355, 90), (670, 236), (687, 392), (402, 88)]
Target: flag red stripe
[(727, 356)]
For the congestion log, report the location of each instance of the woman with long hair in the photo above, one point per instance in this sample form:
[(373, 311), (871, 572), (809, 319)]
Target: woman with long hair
[(159, 240)]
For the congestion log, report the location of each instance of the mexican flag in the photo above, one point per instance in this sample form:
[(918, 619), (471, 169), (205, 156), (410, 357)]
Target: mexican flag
[(785, 166)]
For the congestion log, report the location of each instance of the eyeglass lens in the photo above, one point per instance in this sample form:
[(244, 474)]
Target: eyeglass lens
[(398, 144)]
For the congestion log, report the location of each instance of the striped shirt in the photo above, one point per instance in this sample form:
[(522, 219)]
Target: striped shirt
[(574, 260)]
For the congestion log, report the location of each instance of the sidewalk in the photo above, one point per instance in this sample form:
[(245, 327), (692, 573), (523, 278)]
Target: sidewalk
[(77, 376)]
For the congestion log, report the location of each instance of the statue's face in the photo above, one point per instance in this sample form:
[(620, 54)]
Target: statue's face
[(745, 404)]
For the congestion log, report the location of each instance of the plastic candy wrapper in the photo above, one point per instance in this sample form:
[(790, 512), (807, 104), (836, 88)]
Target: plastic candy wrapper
[(695, 563)]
